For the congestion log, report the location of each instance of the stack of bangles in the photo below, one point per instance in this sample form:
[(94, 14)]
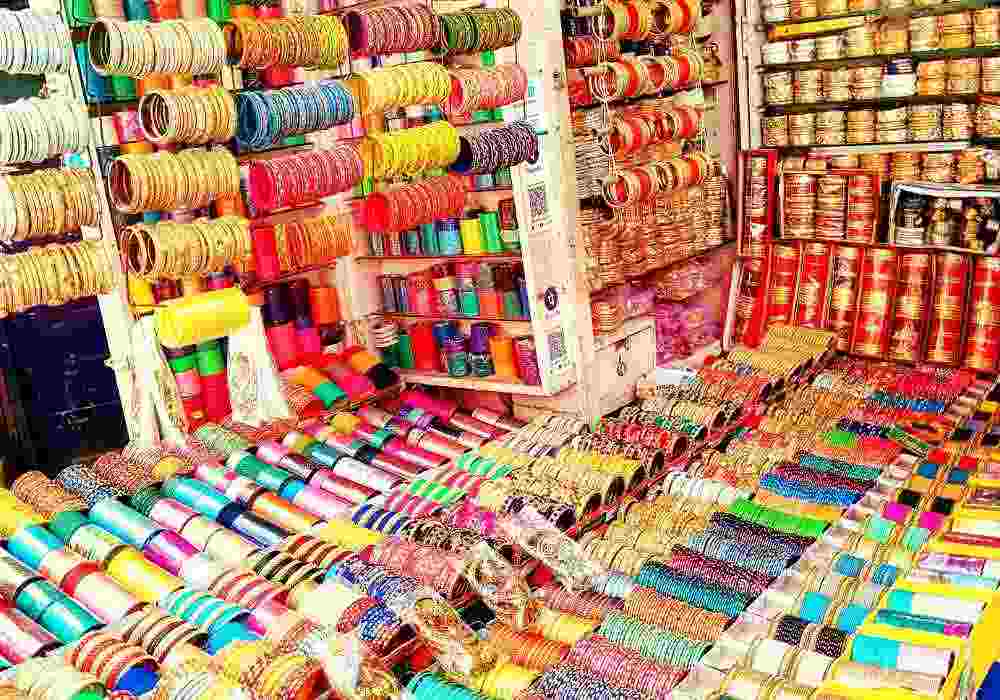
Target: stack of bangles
[(309, 40), (47, 202), (624, 668), (634, 131), (139, 49), (158, 632), (480, 30), (382, 89), (647, 75), (166, 181), (267, 117), (29, 137), (189, 115), (45, 495), (633, 185), (586, 604), (109, 658), (315, 241), (375, 31), (582, 51), (53, 275), (39, 43), (410, 151), (527, 649), (421, 202), (475, 89), (169, 250), (627, 19), (494, 149), (300, 178), (431, 566)]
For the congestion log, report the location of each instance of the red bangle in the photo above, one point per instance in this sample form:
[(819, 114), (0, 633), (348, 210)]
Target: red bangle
[(632, 88), (683, 69), (73, 578)]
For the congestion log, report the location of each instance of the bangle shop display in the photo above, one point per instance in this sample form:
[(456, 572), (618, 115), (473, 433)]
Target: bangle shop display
[(781, 520), (809, 514)]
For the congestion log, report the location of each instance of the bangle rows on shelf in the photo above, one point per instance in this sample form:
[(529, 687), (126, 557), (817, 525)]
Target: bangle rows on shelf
[(170, 250), (494, 149), (478, 31), (310, 41), (38, 43), (302, 178), (399, 86), (54, 274), (166, 181), (266, 117), (189, 115), (140, 49), (47, 202), (36, 129)]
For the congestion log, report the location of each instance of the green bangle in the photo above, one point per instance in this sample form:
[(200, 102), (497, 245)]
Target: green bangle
[(183, 363), (467, 461), (439, 493)]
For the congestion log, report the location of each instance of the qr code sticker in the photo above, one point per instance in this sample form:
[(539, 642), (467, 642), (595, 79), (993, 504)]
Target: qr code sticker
[(557, 348), (538, 201)]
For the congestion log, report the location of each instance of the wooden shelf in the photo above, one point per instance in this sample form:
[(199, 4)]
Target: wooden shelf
[(654, 96), (498, 257), (946, 8), (806, 20), (258, 285), (883, 102), (507, 321), (487, 190), (861, 148), (499, 384), (629, 327), (879, 59), (673, 263), (893, 246)]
